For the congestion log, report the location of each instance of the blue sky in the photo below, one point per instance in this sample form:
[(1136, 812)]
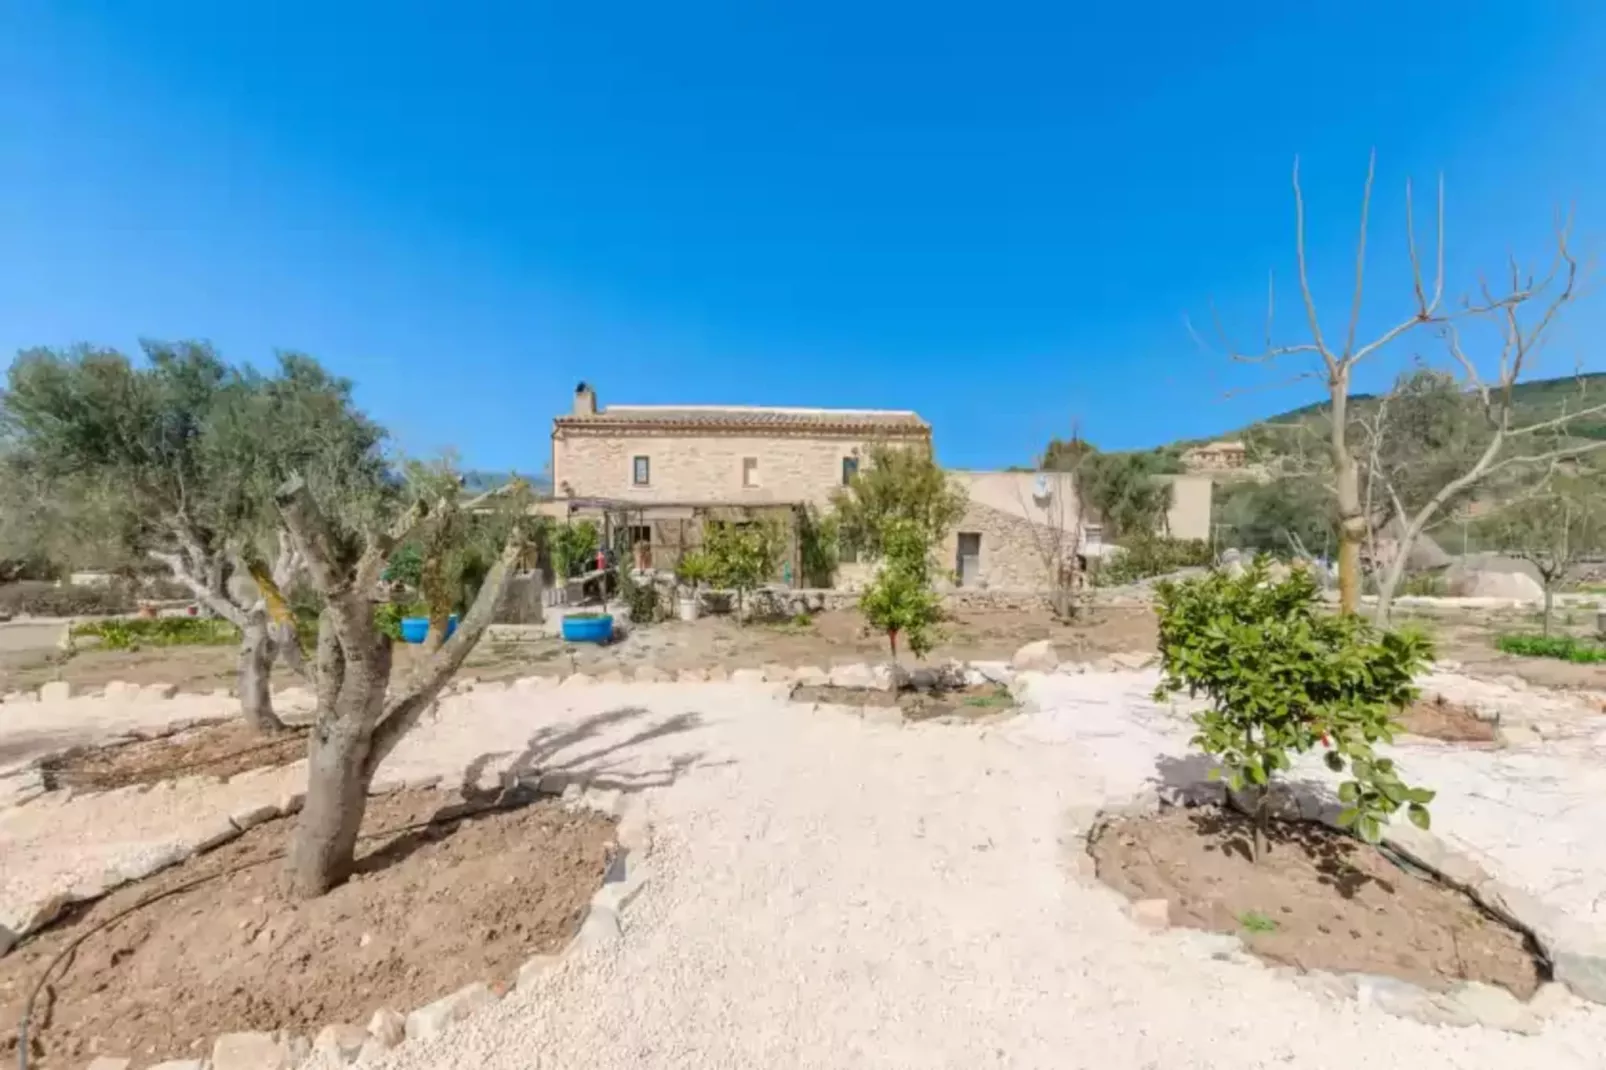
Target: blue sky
[(997, 215)]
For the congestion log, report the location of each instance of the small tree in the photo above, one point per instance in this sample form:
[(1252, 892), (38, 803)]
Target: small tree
[(1553, 529), (1126, 491), (1283, 676), (898, 484), (741, 557), (359, 722), (572, 544), (899, 600)]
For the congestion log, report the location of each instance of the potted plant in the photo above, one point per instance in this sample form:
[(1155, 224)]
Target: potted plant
[(692, 573)]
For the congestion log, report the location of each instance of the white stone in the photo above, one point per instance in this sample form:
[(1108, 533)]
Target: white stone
[(253, 1051), (531, 973), (625, 878), (600, 928), (811, 676), (853, 676), (691, 676), (119, 689), (747, 677), (533, 683), (387, 1027), (55, 691), (776, 673), (604, 801), (1040, 656), (650, 674), (612, 676), (158, 691), (1151, 913), (251, 816), (578, 679), (107, 1062), (888, 677), (343, 1042), (887, 715), (1132, 660), (431, 1020), (180, 1064), (1495, 1007), (715, 675)]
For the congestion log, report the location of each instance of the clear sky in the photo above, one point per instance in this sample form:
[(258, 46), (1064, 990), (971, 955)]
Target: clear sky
[(995, 214)]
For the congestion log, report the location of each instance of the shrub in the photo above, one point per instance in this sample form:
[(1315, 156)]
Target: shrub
[(900, 601), (641, 598), (1564, 647), (573, 547), (1144, 556), (133, 633), (40, 599), (741, 556), (1284, 677)]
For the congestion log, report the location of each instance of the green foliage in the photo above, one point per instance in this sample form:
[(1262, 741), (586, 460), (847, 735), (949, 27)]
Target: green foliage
[(819, 538), (573, 545), (694, 569), (998, 698), (1126, 492), (1255, 922), (1552, 529), (1563, 647), (641, 599), (1284, 677), (897, 487), (899, 600), (1424, 585), (406, 566), (133, 633), (1144, 556), (742, 556), (1275, 517)]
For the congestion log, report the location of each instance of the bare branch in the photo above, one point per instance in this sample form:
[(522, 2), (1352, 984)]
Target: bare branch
[(203, 592), (426, 684), (1360, 255)]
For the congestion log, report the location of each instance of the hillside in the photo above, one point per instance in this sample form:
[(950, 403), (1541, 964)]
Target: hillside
[(1537, 399)]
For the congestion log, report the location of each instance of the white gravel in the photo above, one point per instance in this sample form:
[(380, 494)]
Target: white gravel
[(827, 892)]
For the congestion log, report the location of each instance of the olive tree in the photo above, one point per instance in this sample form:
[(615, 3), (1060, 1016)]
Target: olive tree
[(360, 719), (1553, 528), (898, 483), (175, 460)]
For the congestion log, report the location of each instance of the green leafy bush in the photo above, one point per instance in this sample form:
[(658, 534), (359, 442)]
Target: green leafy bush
[(40, 599), (130, 634), (741, 557), (642, 599), (899, 600), (1284, 677), (1564, 647), (573, 547), (1143, 556)]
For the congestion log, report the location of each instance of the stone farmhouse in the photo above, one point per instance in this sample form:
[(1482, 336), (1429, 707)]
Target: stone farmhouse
[(651, 475)]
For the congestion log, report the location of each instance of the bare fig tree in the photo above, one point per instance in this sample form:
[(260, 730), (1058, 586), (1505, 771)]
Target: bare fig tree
[(359, 720), (1336, 358), (1055, 524)]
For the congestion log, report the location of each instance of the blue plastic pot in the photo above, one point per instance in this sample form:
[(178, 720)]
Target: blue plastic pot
[(416, 629), (588, 628)]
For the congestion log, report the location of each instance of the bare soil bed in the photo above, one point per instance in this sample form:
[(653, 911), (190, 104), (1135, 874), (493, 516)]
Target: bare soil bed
[(1318, 900), (430, 909), (1436, 718), (981, 701), (222, 750)]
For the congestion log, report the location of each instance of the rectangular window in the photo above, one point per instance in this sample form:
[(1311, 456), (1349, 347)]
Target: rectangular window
[(640, 533), (846, 554), (850, 468), (639, 471), (749, 471)]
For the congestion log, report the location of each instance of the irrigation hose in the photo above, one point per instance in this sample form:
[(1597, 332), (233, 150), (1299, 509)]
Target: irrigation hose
[(106, 923)]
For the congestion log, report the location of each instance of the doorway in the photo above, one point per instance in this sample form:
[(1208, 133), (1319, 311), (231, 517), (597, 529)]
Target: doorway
[(968, 565)]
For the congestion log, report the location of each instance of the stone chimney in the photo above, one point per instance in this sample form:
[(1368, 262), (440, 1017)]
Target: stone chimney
[(585, 400)]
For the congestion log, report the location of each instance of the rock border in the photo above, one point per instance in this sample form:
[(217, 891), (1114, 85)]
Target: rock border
[(340, 1044), (1576, 957)]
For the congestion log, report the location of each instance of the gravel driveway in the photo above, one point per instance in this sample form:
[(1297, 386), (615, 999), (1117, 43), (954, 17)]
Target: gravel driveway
[(828, 892)]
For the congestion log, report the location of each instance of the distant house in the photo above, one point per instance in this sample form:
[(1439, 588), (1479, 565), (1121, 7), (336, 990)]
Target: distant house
[(1216, 457)]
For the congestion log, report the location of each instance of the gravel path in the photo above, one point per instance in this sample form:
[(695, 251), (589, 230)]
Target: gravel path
[(827, 892)]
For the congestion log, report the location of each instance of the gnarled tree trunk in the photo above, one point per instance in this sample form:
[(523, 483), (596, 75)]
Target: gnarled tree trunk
[(255, 675)]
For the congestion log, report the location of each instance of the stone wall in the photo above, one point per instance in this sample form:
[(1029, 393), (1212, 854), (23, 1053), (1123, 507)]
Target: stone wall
[(1012, 548), (706, 467)]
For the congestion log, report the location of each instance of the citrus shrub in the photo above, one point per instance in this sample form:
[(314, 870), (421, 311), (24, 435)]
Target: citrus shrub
[(899, 600), (1283, 677)]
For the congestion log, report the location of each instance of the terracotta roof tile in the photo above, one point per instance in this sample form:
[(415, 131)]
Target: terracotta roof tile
[(715, 418)]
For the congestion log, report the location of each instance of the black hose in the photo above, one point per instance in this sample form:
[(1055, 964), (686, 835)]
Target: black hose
[(105, 923)]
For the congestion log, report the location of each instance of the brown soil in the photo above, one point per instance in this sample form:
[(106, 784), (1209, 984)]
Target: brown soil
[(1318, 900), (430, 910), (978, 702), (222, 750), (1436, 718)]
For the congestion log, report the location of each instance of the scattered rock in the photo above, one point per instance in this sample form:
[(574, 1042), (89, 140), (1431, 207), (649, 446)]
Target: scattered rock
[(776, 673), (612, 676), (690, 676), (158, 691), (747, 676), (55, 691), (1581, 966), (1040, 656), (180, 1064), (120, 689), (578, 679), (855, 676), (811, 676), (107, 1062), (533, 683), (1518, 735), (715, 675), (342, 1042), (253, 1051), (1495, 1007), (1430, 852), (1151, 913), (387, 1027), (888, 677), (648, 674), (430, 1021)]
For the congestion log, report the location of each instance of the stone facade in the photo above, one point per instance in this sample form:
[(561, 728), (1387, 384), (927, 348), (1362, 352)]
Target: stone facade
[(1020, 534), (724, 456)]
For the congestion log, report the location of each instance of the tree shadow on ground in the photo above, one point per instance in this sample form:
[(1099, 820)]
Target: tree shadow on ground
[(516, 787), (1218, 816)]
